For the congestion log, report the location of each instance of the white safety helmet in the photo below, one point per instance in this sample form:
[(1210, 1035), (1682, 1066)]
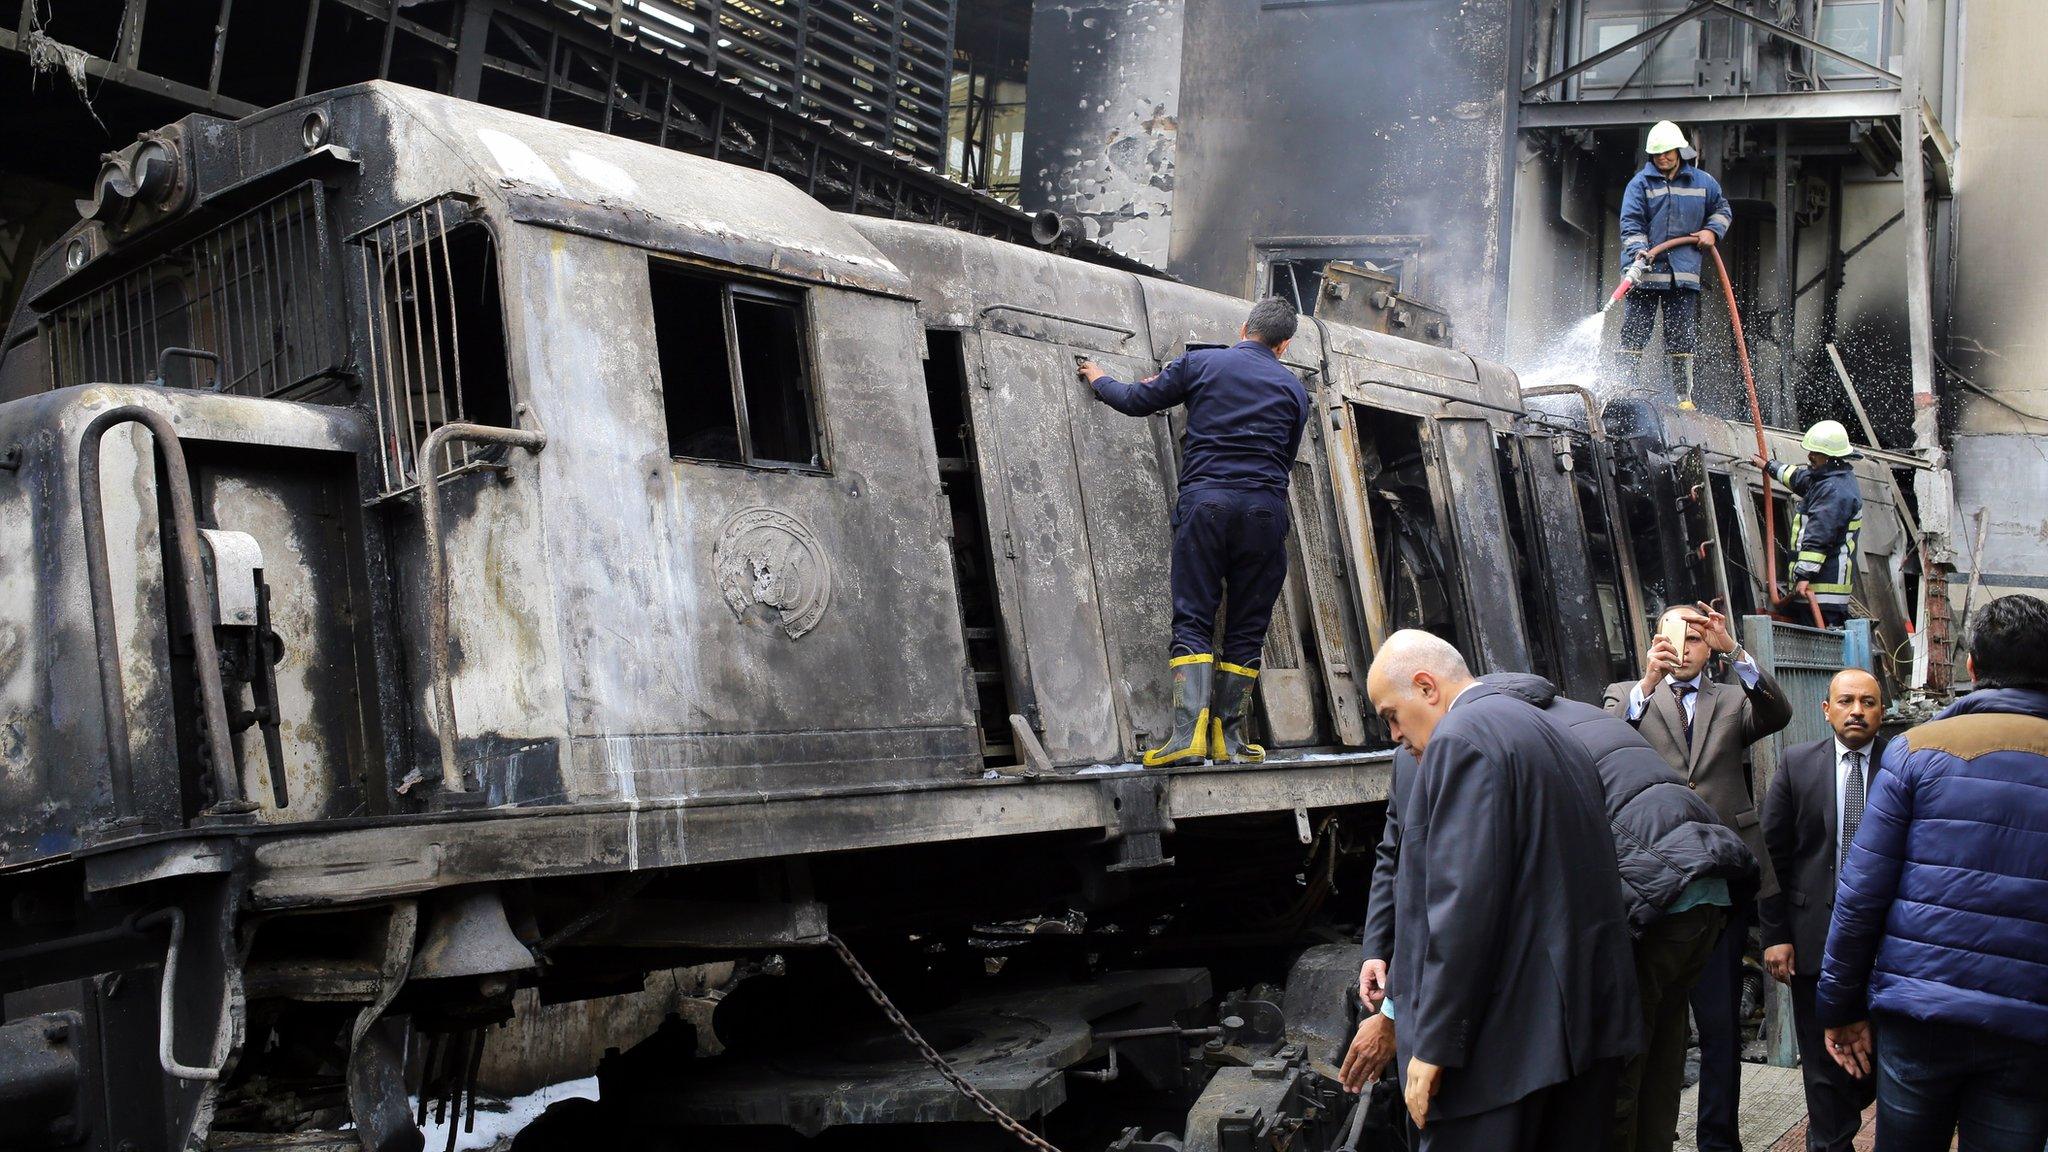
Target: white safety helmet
[(1828, 438), (1664, 136)]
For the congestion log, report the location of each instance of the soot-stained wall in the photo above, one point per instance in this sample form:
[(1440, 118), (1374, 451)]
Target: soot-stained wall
[(1326, 122), (1102, 118), (1999, 442)]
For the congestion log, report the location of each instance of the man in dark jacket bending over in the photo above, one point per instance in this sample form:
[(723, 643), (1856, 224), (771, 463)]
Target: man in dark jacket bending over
[(1678, 863), (1246, 411), (1509, 938)]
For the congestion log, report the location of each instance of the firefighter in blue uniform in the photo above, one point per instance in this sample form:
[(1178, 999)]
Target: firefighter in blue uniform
[(1669, 198), (1827, 522), (1245, 414)]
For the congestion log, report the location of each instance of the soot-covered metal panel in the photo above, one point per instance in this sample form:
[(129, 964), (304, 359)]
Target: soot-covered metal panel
[(723, 627), (1285, 137), (54, 781)]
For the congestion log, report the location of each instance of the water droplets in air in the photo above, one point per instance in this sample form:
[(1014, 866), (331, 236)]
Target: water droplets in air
[(1573, 357)]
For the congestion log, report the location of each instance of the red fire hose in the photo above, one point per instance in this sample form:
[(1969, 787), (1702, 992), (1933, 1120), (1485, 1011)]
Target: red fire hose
[(1756, 415)]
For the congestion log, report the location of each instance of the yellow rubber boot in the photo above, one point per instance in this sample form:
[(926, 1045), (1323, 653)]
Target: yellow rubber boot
[(1231, 715), (1681, 379), (1189, 741)]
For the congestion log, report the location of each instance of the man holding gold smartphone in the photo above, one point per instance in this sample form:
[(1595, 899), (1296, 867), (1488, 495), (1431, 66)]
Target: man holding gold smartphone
[(1703, 726)]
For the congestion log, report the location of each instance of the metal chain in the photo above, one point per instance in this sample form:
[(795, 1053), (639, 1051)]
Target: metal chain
[(931, 1055)]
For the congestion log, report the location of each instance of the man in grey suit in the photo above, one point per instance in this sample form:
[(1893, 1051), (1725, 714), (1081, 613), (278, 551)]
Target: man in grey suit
[(1511, 949), (1703, 727), (1811, 809)]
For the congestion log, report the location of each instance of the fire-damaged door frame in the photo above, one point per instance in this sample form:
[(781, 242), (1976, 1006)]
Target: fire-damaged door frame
[(1468, 515)]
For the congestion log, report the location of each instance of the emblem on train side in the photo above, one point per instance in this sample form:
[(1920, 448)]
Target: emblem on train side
[(772, 571)]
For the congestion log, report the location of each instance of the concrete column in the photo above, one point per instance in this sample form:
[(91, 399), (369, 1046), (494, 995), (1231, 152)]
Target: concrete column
[(1101, 118)]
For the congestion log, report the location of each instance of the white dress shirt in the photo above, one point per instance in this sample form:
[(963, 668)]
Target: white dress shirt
[(1842, 784), (1745, 669)]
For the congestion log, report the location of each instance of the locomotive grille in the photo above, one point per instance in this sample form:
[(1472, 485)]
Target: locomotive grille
[(435, 336), (257, 292)]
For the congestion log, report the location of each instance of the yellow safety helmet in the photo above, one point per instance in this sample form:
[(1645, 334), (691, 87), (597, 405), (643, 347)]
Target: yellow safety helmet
[(1828, 438), (1665, 136)]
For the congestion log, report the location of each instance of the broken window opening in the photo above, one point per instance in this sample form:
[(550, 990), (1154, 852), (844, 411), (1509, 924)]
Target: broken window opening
[(1295, 274), (1637, 474), (1781, 505), (735, 371), (1603, 559), (974, 565), (1523, 545), (1296, 281), (436, 334), (1409, 543), (1742, 582)]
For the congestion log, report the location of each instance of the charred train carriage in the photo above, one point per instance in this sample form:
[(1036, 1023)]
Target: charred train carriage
[(444, 553)]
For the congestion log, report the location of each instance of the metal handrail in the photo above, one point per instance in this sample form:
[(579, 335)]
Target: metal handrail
[(1126, 333), (1585, 396), (167, 1010), (229, 801), (437, 576)]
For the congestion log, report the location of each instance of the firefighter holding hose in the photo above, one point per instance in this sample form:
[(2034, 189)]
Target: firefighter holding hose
[(1670, 199), (1827, 522)]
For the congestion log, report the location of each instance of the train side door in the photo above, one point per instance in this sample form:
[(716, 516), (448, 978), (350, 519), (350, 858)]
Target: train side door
[(1316, 577), (1426, 531), (1080, 507), (1594, 603), (1565, 592), (1471, 503)]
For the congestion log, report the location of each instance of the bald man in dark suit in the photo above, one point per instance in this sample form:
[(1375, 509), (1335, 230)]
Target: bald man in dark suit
[(1510, 943)]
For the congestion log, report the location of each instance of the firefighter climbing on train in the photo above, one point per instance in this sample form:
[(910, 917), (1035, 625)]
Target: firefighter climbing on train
[(1670, 198), (1245, 415), (1827, 522)]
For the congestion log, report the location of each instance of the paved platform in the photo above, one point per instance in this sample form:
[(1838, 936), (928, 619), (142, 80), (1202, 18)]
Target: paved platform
[(1773, 1113)]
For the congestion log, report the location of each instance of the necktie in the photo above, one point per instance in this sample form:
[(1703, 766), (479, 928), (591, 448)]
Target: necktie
[(1852, 806), (1680, 692)]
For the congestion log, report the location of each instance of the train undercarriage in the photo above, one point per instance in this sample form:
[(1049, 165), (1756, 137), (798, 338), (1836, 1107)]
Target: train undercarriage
[(1078, 977)]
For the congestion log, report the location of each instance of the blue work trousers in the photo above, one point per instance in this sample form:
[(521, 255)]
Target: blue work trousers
[(1681, 308), (1227, 540)]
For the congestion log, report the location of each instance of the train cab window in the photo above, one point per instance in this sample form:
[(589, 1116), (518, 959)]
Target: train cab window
[(1781, 509), (1523, 546), (1604, 560), (1639, 480), (735, 373)]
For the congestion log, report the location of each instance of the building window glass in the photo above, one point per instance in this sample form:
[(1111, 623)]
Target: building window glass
[(1852, 28), (1672, 55)]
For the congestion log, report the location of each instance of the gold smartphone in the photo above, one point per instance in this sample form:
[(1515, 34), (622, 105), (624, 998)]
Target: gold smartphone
[(1673, 629)]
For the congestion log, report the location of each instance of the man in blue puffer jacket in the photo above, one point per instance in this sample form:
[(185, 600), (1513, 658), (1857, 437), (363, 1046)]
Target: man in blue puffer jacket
[(1669, 198), (1940, 934)]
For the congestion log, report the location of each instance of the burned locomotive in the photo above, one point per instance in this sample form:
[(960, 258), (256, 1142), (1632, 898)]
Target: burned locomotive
[(444, 553)]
